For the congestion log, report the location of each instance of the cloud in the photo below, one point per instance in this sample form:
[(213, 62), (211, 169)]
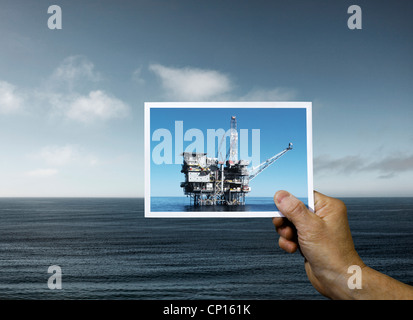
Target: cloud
[(192, 83), (392, 164), (10, 100), (65, 155), (56, 155), (387, 167), (67, 93), (96, 106), (40, 173), (62, 157), (71, 92), (137, 76), (347, 164), (75, 69), (276, 94)]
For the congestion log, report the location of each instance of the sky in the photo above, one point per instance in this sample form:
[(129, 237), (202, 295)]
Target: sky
[(71, 100), (277, 128)]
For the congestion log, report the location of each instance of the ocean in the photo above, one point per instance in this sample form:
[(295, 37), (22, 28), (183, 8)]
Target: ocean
[(183, 204), (107, 250)]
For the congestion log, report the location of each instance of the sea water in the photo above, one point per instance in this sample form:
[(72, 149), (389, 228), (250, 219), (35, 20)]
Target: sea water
[(107, 250), (184, 204)]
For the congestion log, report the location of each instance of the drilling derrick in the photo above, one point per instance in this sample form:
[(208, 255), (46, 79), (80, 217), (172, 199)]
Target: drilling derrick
[(218, 181), (233, 149)]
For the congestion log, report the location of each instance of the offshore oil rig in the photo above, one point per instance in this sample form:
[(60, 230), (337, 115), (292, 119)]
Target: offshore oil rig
[(221, 181)]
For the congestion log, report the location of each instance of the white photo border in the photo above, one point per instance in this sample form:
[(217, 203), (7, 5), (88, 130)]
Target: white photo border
[(220, 214)]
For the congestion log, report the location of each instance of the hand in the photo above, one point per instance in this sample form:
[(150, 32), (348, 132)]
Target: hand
[(323, 238), (325, 241)]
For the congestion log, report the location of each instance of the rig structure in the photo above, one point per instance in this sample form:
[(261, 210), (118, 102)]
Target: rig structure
[(221, 181)]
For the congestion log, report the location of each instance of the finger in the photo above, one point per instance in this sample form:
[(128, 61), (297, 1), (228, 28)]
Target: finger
[(284, 227), (278, 221), (287, 245), (287, 232), (292, 208)]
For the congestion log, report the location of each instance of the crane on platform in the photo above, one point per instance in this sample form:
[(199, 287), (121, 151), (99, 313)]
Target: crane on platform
[(257, 170)]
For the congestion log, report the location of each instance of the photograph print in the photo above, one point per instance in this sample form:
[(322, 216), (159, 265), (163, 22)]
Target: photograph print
[(226, 159)]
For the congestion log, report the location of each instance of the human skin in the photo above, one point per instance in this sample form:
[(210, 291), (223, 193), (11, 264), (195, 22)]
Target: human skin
[(324, 239)]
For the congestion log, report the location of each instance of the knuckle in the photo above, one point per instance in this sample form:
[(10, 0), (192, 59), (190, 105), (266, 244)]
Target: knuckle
[(339, 205), (296, 207)]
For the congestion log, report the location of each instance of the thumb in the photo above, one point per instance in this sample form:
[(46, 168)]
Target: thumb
[(292, 208)]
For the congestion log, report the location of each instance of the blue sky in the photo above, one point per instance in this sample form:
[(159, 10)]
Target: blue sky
[(278, 127), (71, 100)]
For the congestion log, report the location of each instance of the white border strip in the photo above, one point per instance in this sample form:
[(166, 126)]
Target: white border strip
[(224, 214), (310, 181)]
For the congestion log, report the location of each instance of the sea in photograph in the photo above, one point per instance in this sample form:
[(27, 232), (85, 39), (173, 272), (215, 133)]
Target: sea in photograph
[(107, 250), (184, 204)]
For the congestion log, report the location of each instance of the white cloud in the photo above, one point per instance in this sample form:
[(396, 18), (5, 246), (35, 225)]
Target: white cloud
[(74, 69), (70, 92), (97, 105), (192, 83), (40, 173), (55, 155), (67, 155), (275, 94), (10, 101)]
